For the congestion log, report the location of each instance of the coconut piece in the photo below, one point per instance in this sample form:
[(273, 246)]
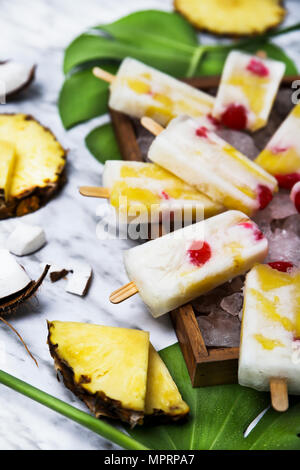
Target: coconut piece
[(79, 282), (7, 161), (26, 239), (13, 277), (15, 77), (39, 170), (15, 285), (56, 272)]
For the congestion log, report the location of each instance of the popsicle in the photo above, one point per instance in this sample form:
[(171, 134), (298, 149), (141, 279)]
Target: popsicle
[(7, 159), (295, 195), (247, 90), (281, 157), (204, 160), (139, 90), (146, 188), (180, 266), (270, 337)]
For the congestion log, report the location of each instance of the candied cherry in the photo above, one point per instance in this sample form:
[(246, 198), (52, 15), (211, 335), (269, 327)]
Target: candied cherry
[(235, 116), (165, 195), (288, 181), (199, 253), (258, 235), (282, 266), (265, 196), (258, 68), (202, 132)]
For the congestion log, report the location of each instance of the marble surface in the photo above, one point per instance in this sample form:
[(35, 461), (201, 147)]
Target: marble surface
[(38, 31)]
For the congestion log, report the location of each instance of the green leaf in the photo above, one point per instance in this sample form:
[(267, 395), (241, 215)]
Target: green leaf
[(154, 28), (164, 40), (102, 143), (214, 58), (219, 417), (83, 97)]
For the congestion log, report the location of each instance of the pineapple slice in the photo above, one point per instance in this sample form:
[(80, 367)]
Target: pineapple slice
[(7, 160), (233, 17), (39, 164), (104, 366), (163, 397)]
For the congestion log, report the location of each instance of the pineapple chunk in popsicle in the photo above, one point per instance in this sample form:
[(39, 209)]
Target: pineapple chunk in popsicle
[(140, 90), (204, 160), (178, 267), (247, 90), (270, 337), (145, 188), (281, 157)]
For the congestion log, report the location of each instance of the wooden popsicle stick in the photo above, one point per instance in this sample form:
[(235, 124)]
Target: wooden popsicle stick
[(103, 75), (151, 125), (94, 191), (279, 394), (123, 293)]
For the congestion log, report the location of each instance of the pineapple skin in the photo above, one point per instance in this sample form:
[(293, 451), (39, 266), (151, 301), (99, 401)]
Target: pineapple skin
[(272, 15), (33, 196), (98, 403)]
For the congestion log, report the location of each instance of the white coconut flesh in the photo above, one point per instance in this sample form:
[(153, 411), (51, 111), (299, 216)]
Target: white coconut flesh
[(14, 76), (13, 277)]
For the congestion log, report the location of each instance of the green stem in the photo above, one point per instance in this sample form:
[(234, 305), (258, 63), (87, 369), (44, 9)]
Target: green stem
[(197, 55), (100, 427)]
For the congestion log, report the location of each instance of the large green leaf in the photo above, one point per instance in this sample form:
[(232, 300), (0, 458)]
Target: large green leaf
[(219, 417), (83, 97), (164, 40), (102, 143)]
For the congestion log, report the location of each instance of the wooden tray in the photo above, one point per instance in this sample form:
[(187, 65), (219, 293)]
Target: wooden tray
[(206, 366)]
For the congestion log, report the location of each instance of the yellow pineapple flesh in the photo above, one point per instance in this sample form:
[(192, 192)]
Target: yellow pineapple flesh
[(232, 17), (163, 397), (39, 164), (105, 366), (7, 160)]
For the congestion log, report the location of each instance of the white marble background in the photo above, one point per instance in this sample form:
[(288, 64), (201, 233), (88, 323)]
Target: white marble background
[(38, 31)]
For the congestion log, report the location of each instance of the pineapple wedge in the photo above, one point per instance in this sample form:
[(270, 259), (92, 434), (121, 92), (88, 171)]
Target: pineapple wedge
[(104, 366), (163, 398), (39, 164), (115, 371), (7, 160), (232, 17)]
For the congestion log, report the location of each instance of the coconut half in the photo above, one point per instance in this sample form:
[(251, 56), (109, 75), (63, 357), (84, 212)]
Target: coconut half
[(15, 77), (15, 285)]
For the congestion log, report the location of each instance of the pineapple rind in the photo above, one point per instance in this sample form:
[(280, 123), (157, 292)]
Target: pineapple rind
[(232, 17), (39, 164), (163, 397), (105, 366)]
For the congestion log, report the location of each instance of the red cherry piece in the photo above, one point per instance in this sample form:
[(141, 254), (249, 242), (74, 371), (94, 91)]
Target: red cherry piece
[(165, 195), (265, 196), (258, 235), (235, 116), (213, 120), (202, 132), (199, 253), (258, 68), (277, 149), (297, 201), (282, 266), (288, 181)]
